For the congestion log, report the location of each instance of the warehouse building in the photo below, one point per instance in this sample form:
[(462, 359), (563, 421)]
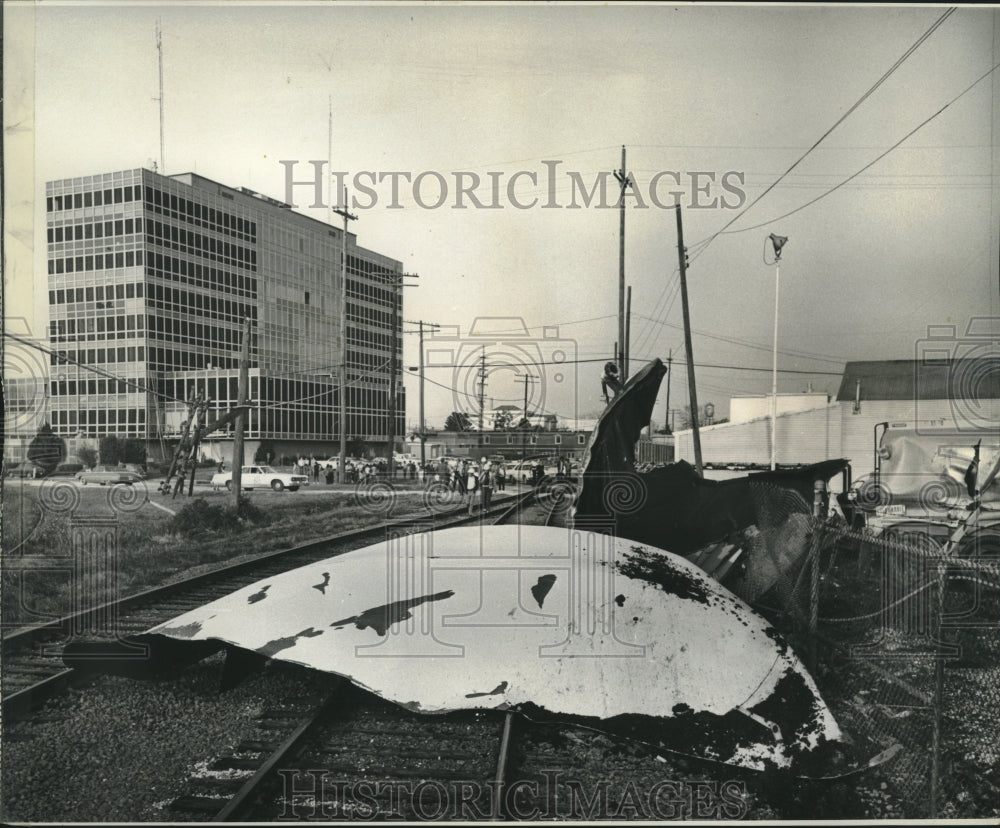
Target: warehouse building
[(151, 278)]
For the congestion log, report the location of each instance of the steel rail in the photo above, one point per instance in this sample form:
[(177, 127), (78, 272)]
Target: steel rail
[(246, 796), (242, 802), (24, 636), (27, 698)]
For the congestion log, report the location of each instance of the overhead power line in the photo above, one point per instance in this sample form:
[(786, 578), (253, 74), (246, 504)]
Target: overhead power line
[(899, 62), (874, 161)]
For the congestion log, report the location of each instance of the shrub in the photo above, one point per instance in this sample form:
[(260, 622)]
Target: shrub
[(47, 450), (200, 517), (87, 455)]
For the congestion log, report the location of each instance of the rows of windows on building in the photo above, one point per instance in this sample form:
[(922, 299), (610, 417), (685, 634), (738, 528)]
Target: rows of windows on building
[(152, 277), (283, 407)]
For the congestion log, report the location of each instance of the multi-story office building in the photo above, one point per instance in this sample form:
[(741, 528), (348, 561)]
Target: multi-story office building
[(151, 279)]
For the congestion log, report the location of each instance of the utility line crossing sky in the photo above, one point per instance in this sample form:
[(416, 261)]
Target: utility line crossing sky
[(474, 137)]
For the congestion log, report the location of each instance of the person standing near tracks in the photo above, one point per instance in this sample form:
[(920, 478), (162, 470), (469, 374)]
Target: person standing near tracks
[(486, 484), (500, 476), (471, 484)]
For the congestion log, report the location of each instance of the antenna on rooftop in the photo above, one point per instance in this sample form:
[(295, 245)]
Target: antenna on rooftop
[(159, 50)]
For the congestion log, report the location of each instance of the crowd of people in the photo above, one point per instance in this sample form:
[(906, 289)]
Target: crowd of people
[(473, 480)]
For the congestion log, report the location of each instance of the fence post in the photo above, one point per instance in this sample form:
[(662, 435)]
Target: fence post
[(938, 693), (819, 518)]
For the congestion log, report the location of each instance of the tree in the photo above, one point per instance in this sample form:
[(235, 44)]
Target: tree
[(46, 449), (133, 451), (684, 420), (265, 452), (110, 450), (503, 421), (87, 455), (458, 421)]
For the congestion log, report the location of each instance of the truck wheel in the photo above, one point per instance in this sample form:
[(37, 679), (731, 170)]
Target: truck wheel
[(229, 485), (277, 485), (293, 488)]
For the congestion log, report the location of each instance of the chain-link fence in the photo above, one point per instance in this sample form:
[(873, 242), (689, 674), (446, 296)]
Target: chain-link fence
[(902, 640)]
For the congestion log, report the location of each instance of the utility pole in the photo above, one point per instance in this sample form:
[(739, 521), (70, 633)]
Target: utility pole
[(341, 471), (628, 331), (527, 378), (241, 400), (682, 259), (670, 370), (420, 368), (624, 182), (423, 425), (482, 392), (391, 402), (159, 50)]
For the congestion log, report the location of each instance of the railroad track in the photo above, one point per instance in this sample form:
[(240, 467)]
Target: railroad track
[(378, 760), (33, 669)]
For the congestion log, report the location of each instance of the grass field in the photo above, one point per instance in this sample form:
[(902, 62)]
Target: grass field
[(154, 546)]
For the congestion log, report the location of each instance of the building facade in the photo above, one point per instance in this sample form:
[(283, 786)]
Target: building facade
[(151, 279)]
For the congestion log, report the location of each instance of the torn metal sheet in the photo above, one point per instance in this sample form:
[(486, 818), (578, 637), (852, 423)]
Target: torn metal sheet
[(553, 622), (673, 507)]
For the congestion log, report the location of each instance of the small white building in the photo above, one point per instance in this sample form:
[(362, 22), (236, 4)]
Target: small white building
[(958, 394), (748, 407)]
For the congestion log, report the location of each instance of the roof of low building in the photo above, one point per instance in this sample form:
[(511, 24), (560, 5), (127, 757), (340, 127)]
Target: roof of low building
[(923, 379)]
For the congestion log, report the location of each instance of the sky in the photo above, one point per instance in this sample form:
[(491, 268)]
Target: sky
[(713, 103)]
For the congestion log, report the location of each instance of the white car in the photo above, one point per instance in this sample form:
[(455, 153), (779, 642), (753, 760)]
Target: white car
[(261, 476)]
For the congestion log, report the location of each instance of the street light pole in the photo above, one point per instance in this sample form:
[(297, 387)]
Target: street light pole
[(777, 242), (423, 426)]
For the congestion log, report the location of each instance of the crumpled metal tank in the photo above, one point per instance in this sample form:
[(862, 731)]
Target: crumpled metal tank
[(559, 624)]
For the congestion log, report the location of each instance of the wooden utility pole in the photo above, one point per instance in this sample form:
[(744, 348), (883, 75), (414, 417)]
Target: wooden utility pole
[(682, 259), (159, 51), (482, 392), (527, 378), (628, 331), (423, 426), (670, 370), (241, 400), (623, 181), (391, 402), (430, 326)]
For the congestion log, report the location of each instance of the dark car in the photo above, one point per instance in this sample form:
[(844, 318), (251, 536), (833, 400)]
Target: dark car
[(109, 475), (66, 470), (24, 469)]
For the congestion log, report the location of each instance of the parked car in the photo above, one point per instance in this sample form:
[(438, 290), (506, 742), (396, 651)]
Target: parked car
[(259, 477), (26, 468), (67, 470), (110, 475)]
